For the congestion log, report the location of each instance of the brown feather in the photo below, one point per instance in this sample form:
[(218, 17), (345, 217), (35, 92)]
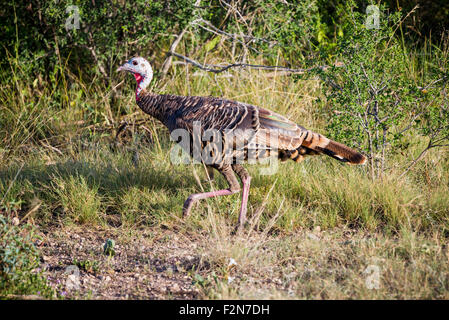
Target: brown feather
[(241, 123)]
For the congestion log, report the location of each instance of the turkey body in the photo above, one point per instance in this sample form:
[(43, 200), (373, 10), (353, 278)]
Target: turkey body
[(223, 134), (232, 132)]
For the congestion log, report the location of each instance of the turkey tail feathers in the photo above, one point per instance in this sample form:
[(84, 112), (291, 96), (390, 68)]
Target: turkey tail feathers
[(343, 153), (332, 148)]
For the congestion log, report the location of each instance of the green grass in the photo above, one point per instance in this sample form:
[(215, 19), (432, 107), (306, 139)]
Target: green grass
[(101, 185)]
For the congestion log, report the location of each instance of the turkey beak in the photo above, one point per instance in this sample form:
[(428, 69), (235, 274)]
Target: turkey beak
[(124, 67)]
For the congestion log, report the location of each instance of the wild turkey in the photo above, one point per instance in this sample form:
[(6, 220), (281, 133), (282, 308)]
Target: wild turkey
[(261, 133)]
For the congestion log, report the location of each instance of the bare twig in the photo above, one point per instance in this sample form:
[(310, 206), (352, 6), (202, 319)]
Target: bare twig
[(218, 69), (245, 38), (34, 209), (233, 36), (421, 155), (432, 144), (93, 51), (168, 62), (433, 82), (399, 24)]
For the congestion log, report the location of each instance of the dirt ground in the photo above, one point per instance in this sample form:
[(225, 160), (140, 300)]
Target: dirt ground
[(159, 262), (150, 267)]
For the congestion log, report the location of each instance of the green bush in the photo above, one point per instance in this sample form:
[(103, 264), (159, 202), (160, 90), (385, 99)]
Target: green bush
[(19, 260), (35, 32), (374, 101)]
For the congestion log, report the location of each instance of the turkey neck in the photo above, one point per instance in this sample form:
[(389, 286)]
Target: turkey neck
[(161, 107)]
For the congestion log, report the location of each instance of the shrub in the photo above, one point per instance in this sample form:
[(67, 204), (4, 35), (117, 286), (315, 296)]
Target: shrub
[(19, 260), (374, 101)]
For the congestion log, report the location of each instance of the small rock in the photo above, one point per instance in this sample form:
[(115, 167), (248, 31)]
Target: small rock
[(313, 237), (15, 221), (175, 288), (142, 278)]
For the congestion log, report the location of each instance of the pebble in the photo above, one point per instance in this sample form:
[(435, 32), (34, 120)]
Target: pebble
[(313, 237), (15, 221)]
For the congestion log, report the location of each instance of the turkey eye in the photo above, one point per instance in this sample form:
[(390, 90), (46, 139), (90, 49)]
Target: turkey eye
[(135, 63)]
